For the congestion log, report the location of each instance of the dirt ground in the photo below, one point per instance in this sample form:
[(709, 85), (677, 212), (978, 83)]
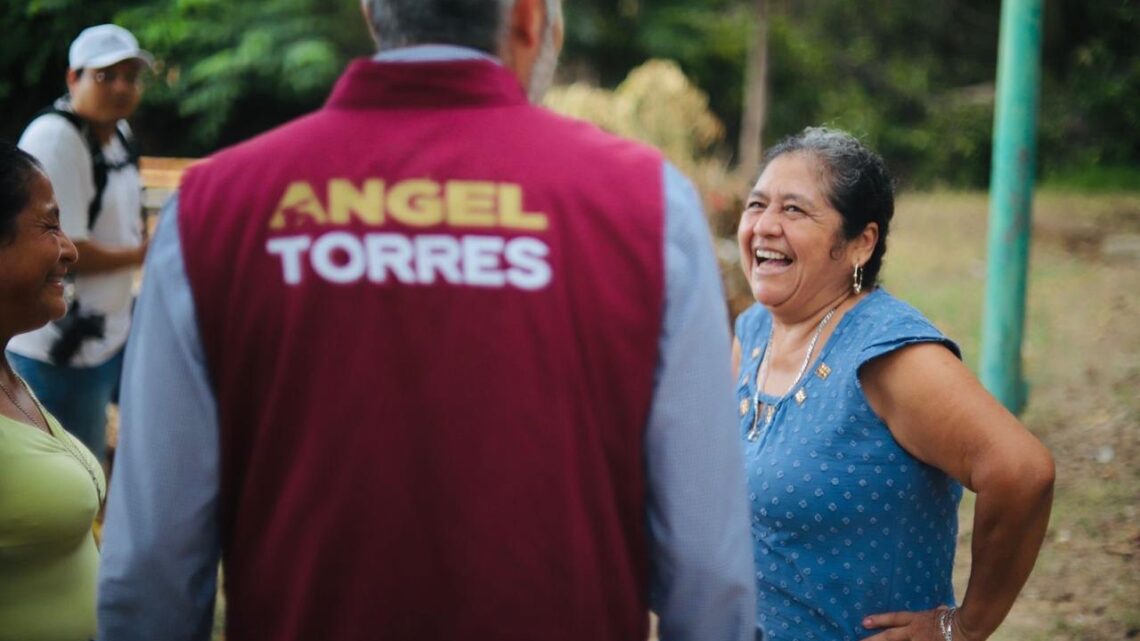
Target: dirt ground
[(1082, 361)]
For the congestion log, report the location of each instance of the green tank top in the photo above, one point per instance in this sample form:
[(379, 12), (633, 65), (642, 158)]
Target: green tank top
[(48, 558)]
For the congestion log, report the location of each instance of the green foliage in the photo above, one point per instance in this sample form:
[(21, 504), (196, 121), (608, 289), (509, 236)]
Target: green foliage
[(1090, 108), (883, 70), (915, 81), (894, 76), (230, 70), (33, 60), (225, 70), (1096, 178)]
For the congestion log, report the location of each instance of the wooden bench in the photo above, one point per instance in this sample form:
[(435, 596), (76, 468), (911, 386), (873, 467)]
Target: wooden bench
[(160, 177)]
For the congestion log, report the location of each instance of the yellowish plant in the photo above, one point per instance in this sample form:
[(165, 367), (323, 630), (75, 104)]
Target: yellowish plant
[(656, 104)]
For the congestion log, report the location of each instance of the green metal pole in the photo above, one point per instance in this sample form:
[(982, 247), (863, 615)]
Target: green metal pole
[(1011, 200)]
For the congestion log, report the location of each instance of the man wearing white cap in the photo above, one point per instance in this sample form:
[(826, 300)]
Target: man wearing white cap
[(85, 146)]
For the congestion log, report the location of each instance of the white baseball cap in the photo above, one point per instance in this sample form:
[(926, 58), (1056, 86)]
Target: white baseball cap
[(104, 45)]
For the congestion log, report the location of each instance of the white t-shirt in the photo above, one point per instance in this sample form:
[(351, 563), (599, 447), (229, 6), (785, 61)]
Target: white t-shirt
[(59, 146)]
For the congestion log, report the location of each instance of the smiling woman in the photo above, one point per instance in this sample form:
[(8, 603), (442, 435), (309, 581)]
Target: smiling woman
[(861, 425), (34, 252), (50, 485)]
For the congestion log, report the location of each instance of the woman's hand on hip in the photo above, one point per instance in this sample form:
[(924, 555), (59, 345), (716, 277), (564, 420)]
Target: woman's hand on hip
[(909, 626)]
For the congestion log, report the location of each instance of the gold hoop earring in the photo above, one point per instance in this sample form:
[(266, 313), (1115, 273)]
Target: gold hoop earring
[(857, 279)]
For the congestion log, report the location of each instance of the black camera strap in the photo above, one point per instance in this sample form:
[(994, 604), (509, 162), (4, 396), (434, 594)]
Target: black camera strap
[(100, 167)]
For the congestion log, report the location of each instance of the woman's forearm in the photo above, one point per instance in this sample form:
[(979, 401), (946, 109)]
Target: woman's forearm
[(1011, 516)]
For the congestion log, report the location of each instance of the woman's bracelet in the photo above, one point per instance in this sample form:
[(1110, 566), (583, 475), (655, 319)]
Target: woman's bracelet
[(946, 623)]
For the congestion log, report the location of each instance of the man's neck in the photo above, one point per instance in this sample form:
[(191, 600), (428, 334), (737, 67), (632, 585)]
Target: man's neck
[(103, 132)]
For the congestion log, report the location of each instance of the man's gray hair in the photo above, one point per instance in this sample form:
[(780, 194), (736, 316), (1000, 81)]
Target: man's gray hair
[(478, 24)]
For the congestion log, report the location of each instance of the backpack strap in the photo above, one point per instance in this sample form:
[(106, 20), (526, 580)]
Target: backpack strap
[(100, 168)]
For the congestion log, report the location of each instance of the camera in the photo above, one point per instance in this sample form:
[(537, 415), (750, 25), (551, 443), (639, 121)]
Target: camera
[(74, 328)]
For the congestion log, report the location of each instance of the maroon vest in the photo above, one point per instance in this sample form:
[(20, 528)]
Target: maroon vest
[(431, 314)]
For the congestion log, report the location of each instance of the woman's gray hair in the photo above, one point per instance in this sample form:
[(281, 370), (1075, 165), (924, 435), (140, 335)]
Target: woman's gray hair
[(478, 24), (857, 183)]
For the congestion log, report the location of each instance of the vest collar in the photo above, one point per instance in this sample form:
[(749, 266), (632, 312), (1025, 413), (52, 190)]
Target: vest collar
[(368, 84), (432, 52)]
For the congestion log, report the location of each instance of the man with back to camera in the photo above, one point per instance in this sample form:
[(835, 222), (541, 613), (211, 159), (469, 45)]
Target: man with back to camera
[(431, 363), (85, 146)]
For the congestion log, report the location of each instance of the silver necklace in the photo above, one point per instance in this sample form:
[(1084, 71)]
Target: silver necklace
[(64, 441), (762, 377), (12, 397)]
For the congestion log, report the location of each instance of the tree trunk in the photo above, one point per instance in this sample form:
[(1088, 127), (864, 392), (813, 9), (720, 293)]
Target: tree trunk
[(755, 93)]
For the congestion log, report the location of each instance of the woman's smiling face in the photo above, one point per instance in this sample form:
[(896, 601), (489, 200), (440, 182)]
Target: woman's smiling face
[(34, 262), (791, 242)]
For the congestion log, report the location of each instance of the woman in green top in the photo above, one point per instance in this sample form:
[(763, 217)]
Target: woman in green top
[(50, 485)]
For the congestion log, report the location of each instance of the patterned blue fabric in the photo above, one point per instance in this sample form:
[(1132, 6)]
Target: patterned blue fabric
[(845, 523)]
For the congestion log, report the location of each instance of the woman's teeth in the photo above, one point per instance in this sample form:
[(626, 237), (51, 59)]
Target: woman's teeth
[(767, 254)]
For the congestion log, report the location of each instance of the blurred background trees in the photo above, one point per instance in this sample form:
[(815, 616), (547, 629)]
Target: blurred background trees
[(226, 70), (915, 80)]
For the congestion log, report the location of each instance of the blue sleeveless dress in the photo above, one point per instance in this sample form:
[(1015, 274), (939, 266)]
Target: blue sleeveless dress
[(845, 523)]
